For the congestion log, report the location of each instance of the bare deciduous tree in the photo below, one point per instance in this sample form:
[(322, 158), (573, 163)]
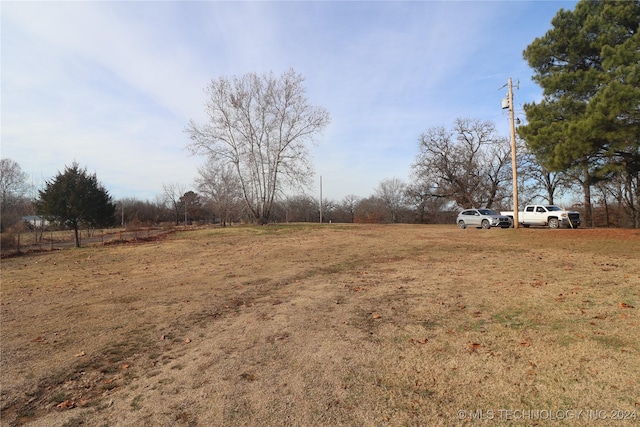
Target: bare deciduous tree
[(260, 125), (342, 211), (13, 186), (301, 208), (329, 210), (392, 192), (428, 208), (371, 210), (171, 196), (540, 183), (130, 210), (469, 165), (220, 184)]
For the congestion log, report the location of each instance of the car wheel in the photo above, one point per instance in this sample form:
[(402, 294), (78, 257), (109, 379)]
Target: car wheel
[(461, 224), (485, 224), (553, 223)]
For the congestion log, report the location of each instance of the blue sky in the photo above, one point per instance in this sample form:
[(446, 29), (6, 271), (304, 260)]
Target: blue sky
[(112, 85)]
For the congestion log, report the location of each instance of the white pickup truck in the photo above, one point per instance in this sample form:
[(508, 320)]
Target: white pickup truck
[(546, 215)]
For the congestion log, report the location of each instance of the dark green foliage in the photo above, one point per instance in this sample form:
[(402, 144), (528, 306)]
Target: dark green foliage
[(75, 198), (588, 123)]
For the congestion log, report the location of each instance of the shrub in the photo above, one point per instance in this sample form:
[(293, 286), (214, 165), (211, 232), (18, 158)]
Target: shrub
[(8, 241)]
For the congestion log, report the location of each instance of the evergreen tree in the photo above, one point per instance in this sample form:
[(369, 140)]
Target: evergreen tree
[(588, 67), (75, 198), (613, 116)]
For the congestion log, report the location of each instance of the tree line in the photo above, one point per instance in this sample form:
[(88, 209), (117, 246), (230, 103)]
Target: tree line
[(582, 138)]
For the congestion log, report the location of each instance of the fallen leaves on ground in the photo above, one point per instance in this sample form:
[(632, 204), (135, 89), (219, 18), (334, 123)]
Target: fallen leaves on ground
[(67, 404), (473, 347)]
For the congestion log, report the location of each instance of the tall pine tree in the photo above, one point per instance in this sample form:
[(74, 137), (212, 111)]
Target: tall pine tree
[(588, 67)]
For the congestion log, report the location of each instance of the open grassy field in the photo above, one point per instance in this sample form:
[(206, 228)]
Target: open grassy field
[(309, 325)]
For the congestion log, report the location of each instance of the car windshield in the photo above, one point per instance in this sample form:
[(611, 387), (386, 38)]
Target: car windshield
[(488, 212), (553, 208)]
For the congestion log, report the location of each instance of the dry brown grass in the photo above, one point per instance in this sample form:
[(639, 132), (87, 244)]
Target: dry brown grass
[(325, 325)]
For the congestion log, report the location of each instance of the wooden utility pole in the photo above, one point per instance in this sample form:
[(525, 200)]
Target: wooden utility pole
[(514, 171), (320, 199)]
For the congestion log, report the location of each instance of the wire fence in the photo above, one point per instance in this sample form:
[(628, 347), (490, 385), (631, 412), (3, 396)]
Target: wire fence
[(39, 240)]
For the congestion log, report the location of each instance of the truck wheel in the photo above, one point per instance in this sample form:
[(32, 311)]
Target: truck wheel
[(461, 224), (553, 223), (485, 224)]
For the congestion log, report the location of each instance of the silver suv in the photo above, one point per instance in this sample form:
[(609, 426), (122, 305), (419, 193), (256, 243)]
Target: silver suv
[(483, 218)]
